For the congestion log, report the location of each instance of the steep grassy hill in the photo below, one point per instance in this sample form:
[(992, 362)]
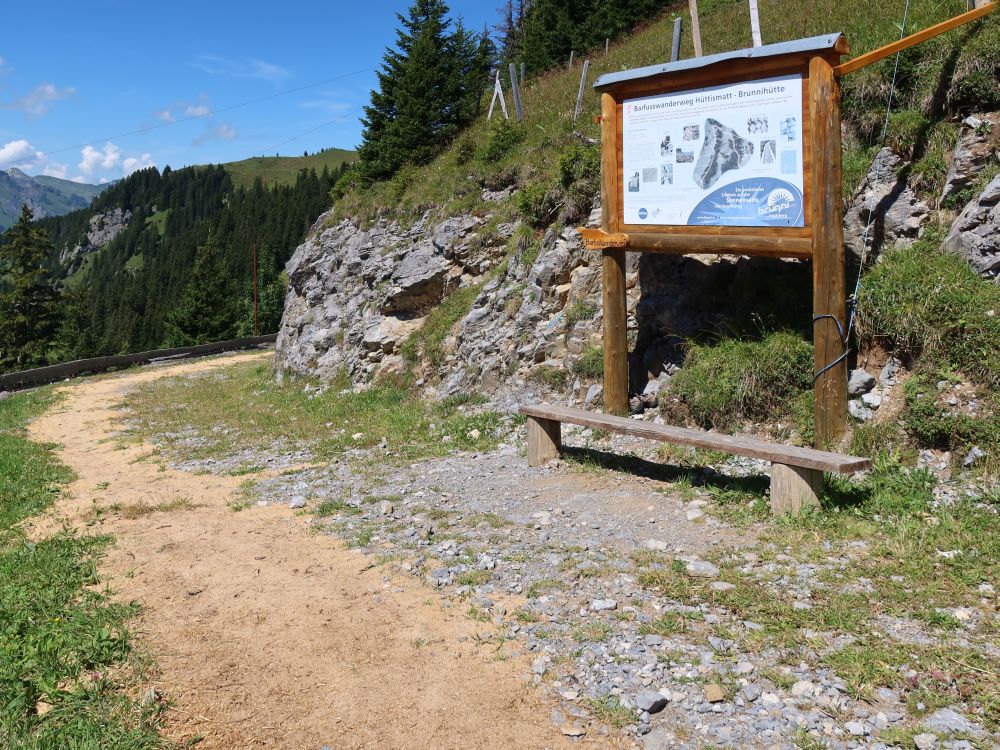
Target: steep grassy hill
[(953, 73), (282, 170)]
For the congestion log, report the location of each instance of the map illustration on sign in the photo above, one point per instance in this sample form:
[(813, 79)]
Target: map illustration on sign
[(728, 155)]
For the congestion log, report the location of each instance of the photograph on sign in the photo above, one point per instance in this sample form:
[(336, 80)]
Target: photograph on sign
[(728, 155)]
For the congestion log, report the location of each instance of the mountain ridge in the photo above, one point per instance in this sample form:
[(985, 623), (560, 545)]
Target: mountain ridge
[(48, 196)]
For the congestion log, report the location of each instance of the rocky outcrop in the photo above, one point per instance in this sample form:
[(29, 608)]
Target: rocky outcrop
[(886, 201), (356, 294), (976, 147), (975, 235), (103, 228)]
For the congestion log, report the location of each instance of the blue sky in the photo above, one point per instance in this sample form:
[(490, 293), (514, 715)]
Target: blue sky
[(73, 73)]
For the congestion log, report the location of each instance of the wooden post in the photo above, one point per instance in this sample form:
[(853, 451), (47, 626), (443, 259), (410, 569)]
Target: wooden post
[(613, 269), (570, 60), (498, 94), (607, 43), (793, 488), (695, 28), (755, 24), (522, 75), (544, 440), (517, 93), (615, 333), (675, 48), (829, 295), (583, 85)]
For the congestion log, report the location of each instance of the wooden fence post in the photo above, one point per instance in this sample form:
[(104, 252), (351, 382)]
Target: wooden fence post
[(570, 60), (607, 43), (522, 75), (675, 47), (579, 94), (695, 28), (755, 24), (517, 93), (829, 295)]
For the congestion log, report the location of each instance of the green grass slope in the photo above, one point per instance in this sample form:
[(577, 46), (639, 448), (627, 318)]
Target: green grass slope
[(282, 170), (951, 73)]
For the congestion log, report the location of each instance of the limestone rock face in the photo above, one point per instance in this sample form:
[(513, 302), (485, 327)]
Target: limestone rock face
[(897, 215), (977, 145), (975, 235), (103, 228)]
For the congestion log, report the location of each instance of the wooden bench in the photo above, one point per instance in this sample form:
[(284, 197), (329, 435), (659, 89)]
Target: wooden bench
[(796, 473)]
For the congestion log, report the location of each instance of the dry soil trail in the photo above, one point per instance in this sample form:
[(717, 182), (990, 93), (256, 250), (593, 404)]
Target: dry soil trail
[(268, 636)]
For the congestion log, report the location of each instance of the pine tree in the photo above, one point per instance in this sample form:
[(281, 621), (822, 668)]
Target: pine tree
[(206, 309), (29, 302), (429, 87)]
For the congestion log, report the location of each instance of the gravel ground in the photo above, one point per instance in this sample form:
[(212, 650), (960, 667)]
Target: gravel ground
[(559, 563)]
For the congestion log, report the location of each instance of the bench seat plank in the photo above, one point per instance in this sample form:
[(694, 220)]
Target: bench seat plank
[(789, 455)]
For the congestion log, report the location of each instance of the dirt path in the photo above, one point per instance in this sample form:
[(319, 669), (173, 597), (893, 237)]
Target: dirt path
[(265, 635)]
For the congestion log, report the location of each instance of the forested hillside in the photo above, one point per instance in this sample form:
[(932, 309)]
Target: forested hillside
[(165, 258)]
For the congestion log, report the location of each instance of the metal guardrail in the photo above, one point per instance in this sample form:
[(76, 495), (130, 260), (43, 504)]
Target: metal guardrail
[(51, 373)]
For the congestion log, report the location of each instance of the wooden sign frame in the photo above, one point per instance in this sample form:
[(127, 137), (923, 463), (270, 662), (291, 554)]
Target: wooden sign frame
[(821, 237)]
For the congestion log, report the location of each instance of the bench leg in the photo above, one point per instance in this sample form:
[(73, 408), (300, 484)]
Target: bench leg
[(544, 440), (793, 488)]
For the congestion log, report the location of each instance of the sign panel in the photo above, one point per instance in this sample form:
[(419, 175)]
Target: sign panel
[(727, 155)]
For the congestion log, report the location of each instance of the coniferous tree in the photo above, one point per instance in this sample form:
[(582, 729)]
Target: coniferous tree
[(206, 310), (29, 302), (428, 90)]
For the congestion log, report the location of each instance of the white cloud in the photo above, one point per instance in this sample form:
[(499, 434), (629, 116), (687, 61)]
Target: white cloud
[(197, 110), (56, 170), (164, 115), (40, 99), (134, 163), (249, 68), (19, 153), (224, 132), (105, 159)]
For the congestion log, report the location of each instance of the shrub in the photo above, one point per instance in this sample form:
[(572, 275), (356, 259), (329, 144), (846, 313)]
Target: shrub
[(919, 301), (538, 203), (736, 379), (504, 135), (590, 363)]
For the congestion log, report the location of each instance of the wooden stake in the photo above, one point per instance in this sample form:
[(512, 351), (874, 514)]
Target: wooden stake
[(570, 60), (695, 28), (583, 84), (522, 75), (675, 47), (829, 295), (607, 42), (498, 94), (517, 93), (755, 23)]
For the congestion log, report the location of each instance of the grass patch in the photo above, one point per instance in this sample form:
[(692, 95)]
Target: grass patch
[(427, 342), (219, 414), (60, 639), (924, 303), (590, 363), (473, 578), (592, 632), (733, 380), (610, 711)]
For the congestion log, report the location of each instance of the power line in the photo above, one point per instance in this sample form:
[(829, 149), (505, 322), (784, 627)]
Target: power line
[(203, 115), (266, 151)]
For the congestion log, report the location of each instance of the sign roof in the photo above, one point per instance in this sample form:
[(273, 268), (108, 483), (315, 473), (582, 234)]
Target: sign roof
[(811, 44)]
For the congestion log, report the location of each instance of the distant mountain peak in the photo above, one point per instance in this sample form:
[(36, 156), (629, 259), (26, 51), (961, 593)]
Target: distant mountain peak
[(48, 196)]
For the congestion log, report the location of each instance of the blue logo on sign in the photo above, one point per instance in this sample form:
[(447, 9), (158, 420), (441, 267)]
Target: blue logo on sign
[(755, 202), (643, 213)]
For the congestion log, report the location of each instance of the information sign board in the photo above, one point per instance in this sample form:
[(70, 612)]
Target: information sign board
[(727, 155)]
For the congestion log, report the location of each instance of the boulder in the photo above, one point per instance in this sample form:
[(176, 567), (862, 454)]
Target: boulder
[(975, 234)]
